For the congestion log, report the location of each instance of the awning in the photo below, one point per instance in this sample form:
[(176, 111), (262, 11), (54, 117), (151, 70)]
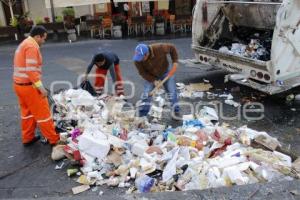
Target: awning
[(66, 3)]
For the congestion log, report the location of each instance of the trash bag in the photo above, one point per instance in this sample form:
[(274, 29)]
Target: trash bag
[(62, 126), (86, 85), (51, 102)]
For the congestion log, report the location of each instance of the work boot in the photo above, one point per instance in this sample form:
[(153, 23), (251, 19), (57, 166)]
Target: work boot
[(58, 152), (35, 139), (176, 116), (59, 142)]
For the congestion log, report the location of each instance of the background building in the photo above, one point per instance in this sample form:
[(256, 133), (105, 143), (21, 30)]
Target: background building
[(39, 9)]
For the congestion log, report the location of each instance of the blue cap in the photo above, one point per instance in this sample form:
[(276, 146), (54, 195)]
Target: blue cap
[(140, 51)]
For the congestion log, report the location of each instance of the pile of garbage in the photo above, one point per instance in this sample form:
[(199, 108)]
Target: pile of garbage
[(254, 50), (201, 90), (193, 90), (111, 146)]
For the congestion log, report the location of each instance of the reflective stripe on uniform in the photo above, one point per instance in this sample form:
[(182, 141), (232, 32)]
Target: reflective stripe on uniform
[(27, 117), (31, 61), (21, 75), (44, 120), (17, 69), (33, 69)]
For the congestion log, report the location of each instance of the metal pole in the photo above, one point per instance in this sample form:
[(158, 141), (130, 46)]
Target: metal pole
[(243, 2), (12, 14), (52, 11), (10, 8), (140, 8)]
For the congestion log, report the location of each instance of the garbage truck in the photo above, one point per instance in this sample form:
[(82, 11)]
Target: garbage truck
[(257, 41)]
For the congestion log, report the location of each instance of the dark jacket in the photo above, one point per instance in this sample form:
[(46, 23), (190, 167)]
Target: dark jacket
[(157, 64), (110, 58)]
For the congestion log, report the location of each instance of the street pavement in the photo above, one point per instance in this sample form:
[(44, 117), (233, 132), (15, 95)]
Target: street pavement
[(30, 173)]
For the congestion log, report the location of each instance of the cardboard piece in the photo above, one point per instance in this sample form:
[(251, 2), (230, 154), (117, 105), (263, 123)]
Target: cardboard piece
[(200, 87), (80, 189), (266, 142)]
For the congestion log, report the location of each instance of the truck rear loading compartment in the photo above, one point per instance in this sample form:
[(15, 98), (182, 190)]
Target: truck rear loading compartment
[(242, 61), (236, 67), (255, 39)]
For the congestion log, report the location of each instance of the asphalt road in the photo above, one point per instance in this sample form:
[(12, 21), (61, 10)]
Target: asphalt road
[(29, 172)]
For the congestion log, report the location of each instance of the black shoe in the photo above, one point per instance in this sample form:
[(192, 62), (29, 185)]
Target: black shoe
[(176, 116), (36, 138)]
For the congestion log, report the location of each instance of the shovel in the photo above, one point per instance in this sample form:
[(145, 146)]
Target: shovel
[(171, 73), (159, 85)]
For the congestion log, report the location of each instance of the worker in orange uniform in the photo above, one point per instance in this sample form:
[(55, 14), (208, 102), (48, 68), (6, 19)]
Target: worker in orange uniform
[(30, 91), (105, 61)]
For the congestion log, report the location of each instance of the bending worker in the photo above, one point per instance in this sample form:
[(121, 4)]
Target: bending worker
[(152, 64), (106, 61), (30, 91)]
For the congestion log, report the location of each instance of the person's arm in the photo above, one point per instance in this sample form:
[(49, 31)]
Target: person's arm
[(89, 69), (173, 70), (33, 71), (171, 49), (116, 60), (144, 73)]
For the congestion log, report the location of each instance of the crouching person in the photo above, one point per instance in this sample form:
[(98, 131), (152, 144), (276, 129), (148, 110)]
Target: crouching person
[(106, 61)]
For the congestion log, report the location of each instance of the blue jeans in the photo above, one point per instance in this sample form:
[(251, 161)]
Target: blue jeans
[(170, 87)]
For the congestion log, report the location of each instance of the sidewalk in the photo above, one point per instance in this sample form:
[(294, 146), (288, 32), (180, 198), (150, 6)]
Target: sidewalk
[(86, 37)]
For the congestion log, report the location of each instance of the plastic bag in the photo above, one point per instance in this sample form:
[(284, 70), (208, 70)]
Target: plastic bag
[(51, 101), (86, 85), (170, 169), (144, 183)]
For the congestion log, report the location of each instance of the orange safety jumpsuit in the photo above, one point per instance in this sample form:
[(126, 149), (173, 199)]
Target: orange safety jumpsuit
[(115, 72), (34, 107)]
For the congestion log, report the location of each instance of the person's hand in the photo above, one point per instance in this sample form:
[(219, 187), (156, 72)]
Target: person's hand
[(43, 91), (157, 83), (85, 77)]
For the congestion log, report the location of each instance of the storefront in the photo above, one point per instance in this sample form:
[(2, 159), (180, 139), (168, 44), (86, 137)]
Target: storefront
[(141, 7)]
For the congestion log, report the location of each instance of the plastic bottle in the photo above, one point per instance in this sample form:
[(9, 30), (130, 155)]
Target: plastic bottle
[(144, 183), (116, 131)]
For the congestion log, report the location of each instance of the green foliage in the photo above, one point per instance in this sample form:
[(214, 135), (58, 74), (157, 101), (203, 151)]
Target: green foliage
[(59, 19), (68, 12), (39, 20), (14, 22), (26, 14)]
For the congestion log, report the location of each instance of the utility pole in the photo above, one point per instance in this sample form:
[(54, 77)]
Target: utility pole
[(10, 4), (52, 11)]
